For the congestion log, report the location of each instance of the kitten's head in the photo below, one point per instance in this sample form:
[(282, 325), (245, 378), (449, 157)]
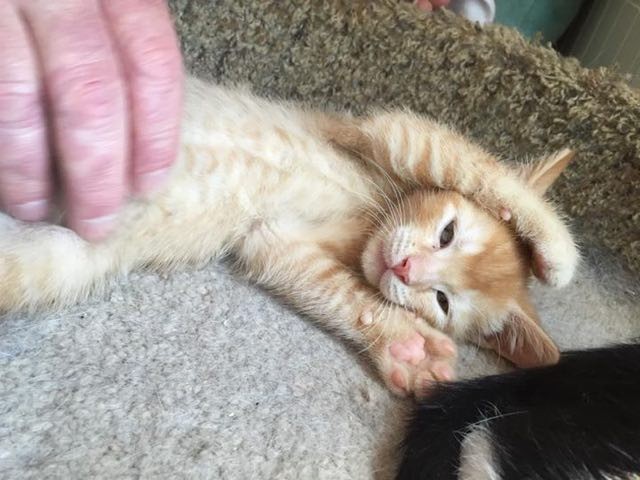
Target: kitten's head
[(465, 271)]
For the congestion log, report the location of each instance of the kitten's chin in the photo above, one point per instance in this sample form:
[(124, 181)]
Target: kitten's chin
[(373, 263)]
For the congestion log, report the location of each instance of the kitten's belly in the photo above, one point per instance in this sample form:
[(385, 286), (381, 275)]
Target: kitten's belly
[(287, 187), (259, 163)]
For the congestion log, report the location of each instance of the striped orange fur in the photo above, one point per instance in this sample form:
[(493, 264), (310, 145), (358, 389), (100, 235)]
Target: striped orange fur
[(309, 204)]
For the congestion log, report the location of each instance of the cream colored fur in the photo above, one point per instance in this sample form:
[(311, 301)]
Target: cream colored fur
[(293, 195)]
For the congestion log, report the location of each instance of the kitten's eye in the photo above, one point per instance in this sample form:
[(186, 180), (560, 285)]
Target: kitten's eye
[(443, 301), (447, 234)]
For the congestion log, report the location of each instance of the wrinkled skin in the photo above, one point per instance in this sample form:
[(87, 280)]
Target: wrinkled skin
[(91, 89)]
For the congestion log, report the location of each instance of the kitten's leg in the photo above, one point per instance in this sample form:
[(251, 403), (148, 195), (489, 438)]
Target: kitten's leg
[(407, 352), (418, 151)]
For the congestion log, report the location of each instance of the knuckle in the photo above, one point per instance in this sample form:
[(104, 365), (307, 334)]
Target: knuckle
[(100, 187), (20, 106), (31, 192), (86, 92), (23, 152), (157, 58), (19, 187), (92, 169), (21, 164)]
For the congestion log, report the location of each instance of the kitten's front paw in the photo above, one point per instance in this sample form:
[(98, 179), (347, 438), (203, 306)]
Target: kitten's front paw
[(555, 266), (415, 356), (554, 254)]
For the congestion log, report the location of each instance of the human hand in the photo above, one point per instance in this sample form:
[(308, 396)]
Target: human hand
[(94, 86)]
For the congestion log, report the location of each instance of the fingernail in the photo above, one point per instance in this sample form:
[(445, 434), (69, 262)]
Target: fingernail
[(30, 211), (152, 181), (97, 228)]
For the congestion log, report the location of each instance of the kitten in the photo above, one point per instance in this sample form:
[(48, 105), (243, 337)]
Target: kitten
[(578, 419), (345, 218)]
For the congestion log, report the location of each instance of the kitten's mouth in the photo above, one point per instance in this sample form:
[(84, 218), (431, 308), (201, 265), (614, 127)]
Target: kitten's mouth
[(376, 265)]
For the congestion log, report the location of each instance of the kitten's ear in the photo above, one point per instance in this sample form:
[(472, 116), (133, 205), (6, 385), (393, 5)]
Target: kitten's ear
[(542, 174), (523, 341)]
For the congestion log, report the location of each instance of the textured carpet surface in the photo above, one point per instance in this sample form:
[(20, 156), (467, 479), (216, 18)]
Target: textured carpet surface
[(195, 374), (198, 375)]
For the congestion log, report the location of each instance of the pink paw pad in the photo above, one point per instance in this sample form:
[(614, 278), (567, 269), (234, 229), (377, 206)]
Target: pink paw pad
[(443, 373), (410, 350), (540, 266), (398, 379), (447, 348)]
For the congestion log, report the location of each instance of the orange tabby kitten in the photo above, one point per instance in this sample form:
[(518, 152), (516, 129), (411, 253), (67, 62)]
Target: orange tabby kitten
[(345, 218)]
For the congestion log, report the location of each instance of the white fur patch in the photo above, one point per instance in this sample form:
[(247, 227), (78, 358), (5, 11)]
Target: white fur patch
[(399, 246), (477, 457), (470, 233), (461, 310), (393, 289)]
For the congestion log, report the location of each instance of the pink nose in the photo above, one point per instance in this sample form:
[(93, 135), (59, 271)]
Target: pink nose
[(402, 270)]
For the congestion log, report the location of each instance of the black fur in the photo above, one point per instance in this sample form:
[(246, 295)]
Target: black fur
[(577, 419)]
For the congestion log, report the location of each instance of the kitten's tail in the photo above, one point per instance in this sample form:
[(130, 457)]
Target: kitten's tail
[(47, 266), (577, 419)]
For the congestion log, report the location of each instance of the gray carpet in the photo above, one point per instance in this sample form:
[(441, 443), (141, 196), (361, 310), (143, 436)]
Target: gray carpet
[(195, 374)]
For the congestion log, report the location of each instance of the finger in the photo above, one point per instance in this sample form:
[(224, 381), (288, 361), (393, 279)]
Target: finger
[(87, 107), (152, 64), (439, 3), (424, 5), (24, 169)]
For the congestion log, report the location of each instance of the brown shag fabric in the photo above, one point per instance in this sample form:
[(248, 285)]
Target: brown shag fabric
[(517, 98)]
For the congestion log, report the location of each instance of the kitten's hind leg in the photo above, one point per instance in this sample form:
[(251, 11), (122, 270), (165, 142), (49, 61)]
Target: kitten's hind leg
[(46, 265)]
